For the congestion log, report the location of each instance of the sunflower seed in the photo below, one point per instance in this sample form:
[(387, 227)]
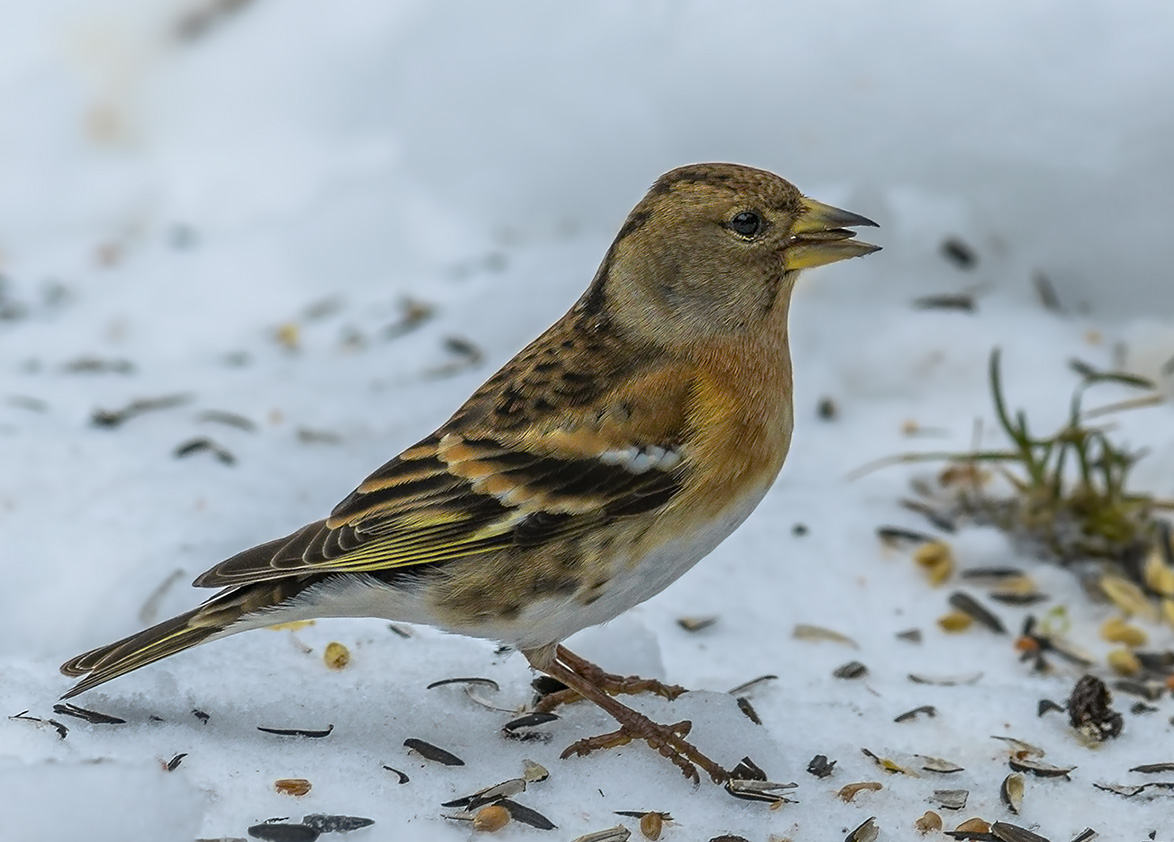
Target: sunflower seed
[(174, 762), (939, 765), (335, 824), (696, 624), (951, 799), (967, 604), (91, 716), (488, 795), (946, 680), (910, 715), (403, 779), (433, 753), (898, 536), (281, 832), (991, 575), (619, 833), (298, 732), (525, 815), (806, 631), (1041, 770), (852, 669), (517, 729), (1005, 832), (867, 831), (748, 709), (1021, 748), (1011, 792), (1153, 768)]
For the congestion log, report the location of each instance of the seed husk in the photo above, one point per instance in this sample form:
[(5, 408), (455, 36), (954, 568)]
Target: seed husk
[(910, 635), (1047, 706), (951, 799), (848, 792), (488, 795), (525, 815), (748, 709), (936, 558), (696, 624), (820, 766), (298, 732), (1128, 597), (91, 716), (1021, 748), (518, 729), (754, 790), (403, 779), (1086, 835), (806, 631), (866, 831), (967, 604), (283, 832), (1116, 630), (747, 685), (928, 823), (850, 670), (533, 772), (955, 621), (491, 818), (975, 825), (174, 762), (946, 680), (296, 787), (433, 753), (890, 766), (748, 770), (483, 682), (1006, 832), (1040, 770), (939, 765), (1123, 662), (897, 536), (335, 824), (1011, 792), (1162, 662), (992, 575), (909, 715), (619, 833), (336, 656)]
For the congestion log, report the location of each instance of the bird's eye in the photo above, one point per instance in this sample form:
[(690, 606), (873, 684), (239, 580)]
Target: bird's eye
[(746, 223)]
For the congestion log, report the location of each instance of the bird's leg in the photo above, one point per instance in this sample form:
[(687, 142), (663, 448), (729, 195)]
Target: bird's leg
[(609, 683), (669, 740)]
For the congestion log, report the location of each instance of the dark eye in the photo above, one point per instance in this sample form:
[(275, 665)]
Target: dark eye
[(746, 223)]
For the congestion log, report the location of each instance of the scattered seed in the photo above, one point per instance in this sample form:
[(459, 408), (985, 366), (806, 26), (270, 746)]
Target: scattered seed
[(517, 729), (1090, 711), (489, 795), (826, 409), (959, 253), (936, 558), (1048, 706), (1153, 768), (1148, 690), (434, 753), (852, 669), (955, 621), (403, 779), (1011, 792), (966, 603), (196, 445), (970, 826), (298, 732), (910, 715), (491, 818), (946, 680), (619, 833), (910, 635), (928, 823), (296, 787), (174, 762), (336, 656), (525, 815), (1123, 661), (1116, 630), (696, 624), (820, 766), (200, 715), (282, 832), (867, 831), (848, 792), (1128, 597), (117, 417), (890, 766), (336, 824), (992, 575), (484, 682), (897, 536), (951, 799), (748, 709), (229, 419), (1021, 748), (753, 790), (1041, 770), (939, 765), (1162, 662), (1005, 832), (62, 731), (806, 631), (747, 685), (1086, 835), (91, 716)]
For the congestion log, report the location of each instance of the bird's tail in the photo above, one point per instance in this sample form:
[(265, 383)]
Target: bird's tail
[(210, 620)]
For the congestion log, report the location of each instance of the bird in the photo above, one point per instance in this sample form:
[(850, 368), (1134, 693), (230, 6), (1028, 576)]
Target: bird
[(586, 475)]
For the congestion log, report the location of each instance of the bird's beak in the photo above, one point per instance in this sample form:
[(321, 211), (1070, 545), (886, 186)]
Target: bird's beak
[(820, 236)]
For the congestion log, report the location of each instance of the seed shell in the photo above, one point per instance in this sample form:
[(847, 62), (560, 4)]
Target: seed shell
[(1153, 768), (746, 685), (928, 823), (283, 832), (946, 680), (848, 792), (488, 795), (1011, 792), (91, 716), (1005, 832), (324, 823), (1086, 835), (748, 709), (619, 833), (910, 635), (820, 766), (534, 772), (909, 715), (806, 631), (433, 753), (696, 624), (967, 604), (403, 779), (867, 831), (1040, 770), (890, 766), (174, 762), (517, 729), (951, 799), (1021, 748), (850, 670), (525, 815), (939, 765)]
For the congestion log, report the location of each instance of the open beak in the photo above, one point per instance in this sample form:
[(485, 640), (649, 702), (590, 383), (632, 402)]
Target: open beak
[(821, 236)]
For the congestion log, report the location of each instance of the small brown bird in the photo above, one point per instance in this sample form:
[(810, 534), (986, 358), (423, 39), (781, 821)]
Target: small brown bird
[(589, 473)]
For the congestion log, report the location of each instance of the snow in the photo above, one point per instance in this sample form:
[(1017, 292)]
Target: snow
[(173, 204)]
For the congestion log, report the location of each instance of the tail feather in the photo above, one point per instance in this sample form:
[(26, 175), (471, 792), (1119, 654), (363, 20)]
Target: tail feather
[(167, 638)]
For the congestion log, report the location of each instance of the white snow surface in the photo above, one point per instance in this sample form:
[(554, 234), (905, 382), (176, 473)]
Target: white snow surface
[(173, 203)]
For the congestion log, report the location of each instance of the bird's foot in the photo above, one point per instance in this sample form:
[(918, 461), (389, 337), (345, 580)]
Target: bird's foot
[(668, 740), (610, 683)]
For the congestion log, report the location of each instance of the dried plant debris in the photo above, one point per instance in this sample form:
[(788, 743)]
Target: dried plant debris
[(203, 444), (820, 766), (298, 732), (91, 716), (806, 631), (852, 669), (111, 418), (696, 624), (62, 730), (433, 753), (866, 831), (1090, 710), (848, 792), (748, 710), (951, 799), (324, 823), (970, 606), (523, 727), (1011, 792), (403, 779), (910, 715)]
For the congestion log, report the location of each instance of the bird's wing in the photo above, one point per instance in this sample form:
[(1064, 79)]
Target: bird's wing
[(544, 449)]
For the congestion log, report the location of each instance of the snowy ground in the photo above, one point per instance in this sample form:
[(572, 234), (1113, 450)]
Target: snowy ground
[(238, 218)]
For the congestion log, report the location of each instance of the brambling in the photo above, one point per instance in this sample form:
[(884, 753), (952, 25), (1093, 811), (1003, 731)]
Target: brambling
[(590, 472)]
